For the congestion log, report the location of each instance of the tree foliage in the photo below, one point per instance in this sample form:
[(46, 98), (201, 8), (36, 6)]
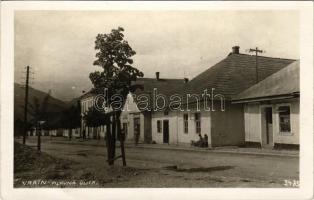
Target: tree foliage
[(114, 56), (39, 109), (95, 118), (70, 117)]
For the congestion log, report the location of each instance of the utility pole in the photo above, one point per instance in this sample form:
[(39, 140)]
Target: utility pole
[(256, 50), (25, 105)]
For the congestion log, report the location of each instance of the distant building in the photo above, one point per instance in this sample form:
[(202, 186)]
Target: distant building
[(87, 102), (271, 109)]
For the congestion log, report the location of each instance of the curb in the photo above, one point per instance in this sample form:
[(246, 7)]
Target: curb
[(219, 151), (192, 150)]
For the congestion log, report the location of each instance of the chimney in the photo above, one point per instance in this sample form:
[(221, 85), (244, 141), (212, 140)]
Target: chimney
[(186, 80), (157, 76), (236, 50)]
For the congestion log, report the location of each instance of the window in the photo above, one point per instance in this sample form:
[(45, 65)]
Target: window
[(198, 122), (158, 126), (186, 123), (284, 119), (125, 128)]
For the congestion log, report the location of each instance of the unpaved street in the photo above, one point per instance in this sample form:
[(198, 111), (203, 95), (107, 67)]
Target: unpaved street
[(174, 168)]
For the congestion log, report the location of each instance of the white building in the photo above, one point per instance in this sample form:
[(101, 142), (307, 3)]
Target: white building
[(138, 117), (87, 102), (271, 109), (225, 122), (229, 77)]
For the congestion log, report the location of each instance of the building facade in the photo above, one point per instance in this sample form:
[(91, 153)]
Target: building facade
[(271, 109), (229, 121)]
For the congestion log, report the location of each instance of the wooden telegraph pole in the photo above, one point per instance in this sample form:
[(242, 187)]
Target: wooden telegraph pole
[(256, 50), (25, 105)]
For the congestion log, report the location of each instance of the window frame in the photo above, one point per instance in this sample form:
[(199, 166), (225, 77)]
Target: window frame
[(279, 123), (198, 124), (186, 123), (159, 126)]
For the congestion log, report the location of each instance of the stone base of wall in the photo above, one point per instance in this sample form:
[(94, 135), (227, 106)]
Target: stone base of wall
[(253, 144), (287, 146)]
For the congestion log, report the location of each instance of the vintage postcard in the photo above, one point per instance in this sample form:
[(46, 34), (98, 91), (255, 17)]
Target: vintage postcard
[(175, 100)]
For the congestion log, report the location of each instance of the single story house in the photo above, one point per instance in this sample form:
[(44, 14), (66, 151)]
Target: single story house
[(222, 121), (138, 115), (271, 109)]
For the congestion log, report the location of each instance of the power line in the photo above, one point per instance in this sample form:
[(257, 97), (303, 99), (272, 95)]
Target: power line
[(256, 50)]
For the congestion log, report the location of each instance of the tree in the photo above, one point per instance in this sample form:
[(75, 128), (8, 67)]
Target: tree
[(114, 56), (70, 118), (95, 118), (40, 114)]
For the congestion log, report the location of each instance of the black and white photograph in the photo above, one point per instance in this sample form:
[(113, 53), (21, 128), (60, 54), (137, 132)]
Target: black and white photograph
[(140, 97)]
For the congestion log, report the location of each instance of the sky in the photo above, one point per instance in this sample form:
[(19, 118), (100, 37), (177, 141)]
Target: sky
[(59, 45)]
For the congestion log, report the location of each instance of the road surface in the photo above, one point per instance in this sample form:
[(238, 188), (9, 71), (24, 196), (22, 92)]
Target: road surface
[(173, 168)]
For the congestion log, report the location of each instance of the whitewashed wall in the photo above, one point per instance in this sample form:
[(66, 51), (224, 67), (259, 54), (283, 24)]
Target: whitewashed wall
[(253, 123), (252, 118), (173, 126), (65, 133), (192, 135), (53, 132), (288, 138), (176, 126), (130, 110)]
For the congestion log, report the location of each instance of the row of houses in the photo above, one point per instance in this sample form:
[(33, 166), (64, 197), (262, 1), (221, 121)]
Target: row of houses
[(74, 133), (251, 101)]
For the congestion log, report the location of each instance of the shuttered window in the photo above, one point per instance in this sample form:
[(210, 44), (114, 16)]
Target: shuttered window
[(186, 123), (198, 122), (158, 126)]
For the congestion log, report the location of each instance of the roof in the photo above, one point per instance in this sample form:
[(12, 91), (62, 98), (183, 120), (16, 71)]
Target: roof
[(86, 95), (284, 82), (234, 74), (165, 87)]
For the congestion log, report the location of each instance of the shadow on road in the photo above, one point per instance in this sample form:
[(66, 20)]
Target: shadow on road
[(198, 169)]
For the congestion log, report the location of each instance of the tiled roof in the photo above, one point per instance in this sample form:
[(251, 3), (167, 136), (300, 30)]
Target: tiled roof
[(166, 87), (285, 81), (234, 74)]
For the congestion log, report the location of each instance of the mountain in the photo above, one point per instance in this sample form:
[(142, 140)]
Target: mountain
[(54, 105), (73, 102)]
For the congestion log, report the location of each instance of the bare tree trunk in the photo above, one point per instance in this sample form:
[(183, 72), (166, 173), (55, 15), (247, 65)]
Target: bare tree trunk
[(121, 138), (113, 139), (108, 142)]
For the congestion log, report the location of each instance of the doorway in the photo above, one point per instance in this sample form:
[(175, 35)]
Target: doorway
[(166, 131), (137, 129), (267, 127)]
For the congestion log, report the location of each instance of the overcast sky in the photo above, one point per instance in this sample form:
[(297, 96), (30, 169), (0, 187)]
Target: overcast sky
[(59, 45)]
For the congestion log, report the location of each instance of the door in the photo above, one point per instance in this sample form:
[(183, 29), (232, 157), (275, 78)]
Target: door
[(137, 129), (166, 131), (268, 127)]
